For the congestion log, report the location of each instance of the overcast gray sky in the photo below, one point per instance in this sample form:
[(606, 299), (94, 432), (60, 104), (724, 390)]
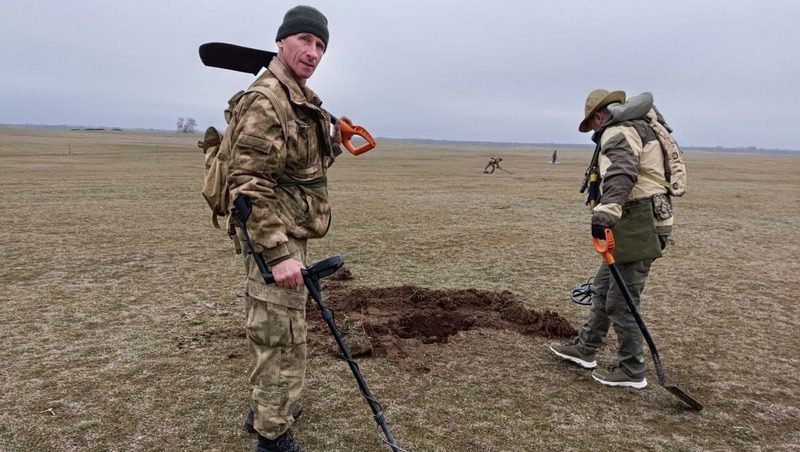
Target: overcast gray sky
[(723, 72)]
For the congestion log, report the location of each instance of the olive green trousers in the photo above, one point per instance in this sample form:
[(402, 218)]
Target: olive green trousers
[(610, 309)]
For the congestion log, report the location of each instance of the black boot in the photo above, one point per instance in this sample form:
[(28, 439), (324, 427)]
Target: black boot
[(297, 410), (283, 443)]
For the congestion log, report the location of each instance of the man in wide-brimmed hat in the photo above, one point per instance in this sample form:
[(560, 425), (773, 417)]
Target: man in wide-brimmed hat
[(596, 113), (630, 165)]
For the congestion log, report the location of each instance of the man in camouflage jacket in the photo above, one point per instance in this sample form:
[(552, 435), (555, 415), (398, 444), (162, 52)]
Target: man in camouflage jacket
[(282, 149), (633, 189)]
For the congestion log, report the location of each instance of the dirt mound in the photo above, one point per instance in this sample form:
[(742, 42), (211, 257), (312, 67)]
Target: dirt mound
[(390, 322)]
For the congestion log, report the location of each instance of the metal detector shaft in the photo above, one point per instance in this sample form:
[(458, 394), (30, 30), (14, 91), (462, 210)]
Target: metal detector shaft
[(605, 251), (312, 284), (311, 277)]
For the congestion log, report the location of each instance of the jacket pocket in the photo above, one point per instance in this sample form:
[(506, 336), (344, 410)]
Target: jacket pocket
[(303, 160), (662, 207), (294, 203)]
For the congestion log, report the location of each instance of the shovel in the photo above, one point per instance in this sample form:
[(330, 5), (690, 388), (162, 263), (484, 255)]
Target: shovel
[(605, 249), (311, 277), (245, 59)]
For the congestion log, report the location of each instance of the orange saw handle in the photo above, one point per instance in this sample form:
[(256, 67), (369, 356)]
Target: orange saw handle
[(605, 247), (347, 131)]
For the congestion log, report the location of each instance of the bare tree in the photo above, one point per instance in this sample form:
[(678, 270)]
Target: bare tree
[(187, 125)]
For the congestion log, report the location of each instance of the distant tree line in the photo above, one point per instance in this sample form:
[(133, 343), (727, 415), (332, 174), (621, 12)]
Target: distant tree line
[(186, 125)]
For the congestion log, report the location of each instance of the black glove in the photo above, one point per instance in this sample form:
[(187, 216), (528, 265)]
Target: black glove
[(598, 231)]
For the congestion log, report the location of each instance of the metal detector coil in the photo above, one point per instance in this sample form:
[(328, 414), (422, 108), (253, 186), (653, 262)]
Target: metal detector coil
[(582, 293)]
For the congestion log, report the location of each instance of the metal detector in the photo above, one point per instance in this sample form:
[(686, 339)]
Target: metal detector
[(582, 293), (311, 277), (605, 248)]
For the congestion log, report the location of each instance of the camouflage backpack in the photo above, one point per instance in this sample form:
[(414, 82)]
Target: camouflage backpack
[(674, 166), (218, 152)]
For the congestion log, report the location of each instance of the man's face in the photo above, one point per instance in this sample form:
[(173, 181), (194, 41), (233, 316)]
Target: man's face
[(301, 53), (598, 119)]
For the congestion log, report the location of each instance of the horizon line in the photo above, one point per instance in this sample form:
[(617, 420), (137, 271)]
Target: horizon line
[(428, 140)]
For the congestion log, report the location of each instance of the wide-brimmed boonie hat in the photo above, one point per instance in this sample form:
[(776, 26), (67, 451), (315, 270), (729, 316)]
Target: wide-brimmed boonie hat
[(596, 100)]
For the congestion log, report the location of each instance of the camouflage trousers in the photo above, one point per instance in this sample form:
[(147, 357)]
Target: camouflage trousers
[(276, 334), (609, 308)]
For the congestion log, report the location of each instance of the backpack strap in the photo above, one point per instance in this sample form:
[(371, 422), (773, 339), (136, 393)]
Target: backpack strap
[(674, 166), (666, 141), (285, 181), (273, 99)]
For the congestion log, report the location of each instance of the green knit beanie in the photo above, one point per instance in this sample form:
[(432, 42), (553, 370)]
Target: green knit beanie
[(304, 19)]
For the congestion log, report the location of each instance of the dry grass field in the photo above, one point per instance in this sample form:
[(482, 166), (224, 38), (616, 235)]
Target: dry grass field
[(121, 306)]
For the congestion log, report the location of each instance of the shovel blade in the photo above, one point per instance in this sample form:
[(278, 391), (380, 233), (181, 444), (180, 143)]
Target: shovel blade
[(686, 398)]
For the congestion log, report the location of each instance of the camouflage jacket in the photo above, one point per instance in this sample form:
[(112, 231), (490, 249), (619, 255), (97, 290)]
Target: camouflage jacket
[(281, 152), (631, 166)]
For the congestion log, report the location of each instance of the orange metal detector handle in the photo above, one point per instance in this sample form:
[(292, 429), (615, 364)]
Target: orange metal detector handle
[(605, 247), (347, 131)]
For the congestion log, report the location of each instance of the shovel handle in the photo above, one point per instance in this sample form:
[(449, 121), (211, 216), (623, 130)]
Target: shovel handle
[(348, 130), (246, 59), (605, 247)]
